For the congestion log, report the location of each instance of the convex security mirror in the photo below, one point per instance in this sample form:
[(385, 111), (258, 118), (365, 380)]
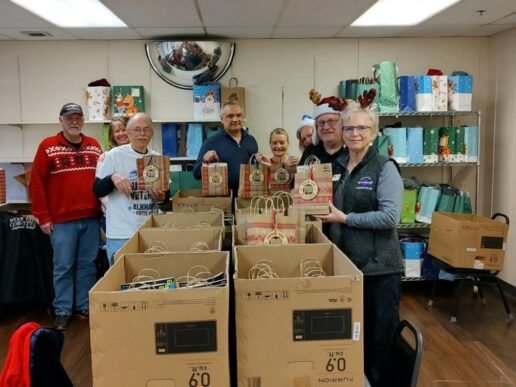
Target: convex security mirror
[(185, 63)]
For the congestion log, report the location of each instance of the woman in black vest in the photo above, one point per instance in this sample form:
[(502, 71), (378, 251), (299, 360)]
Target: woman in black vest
[(365, 211)]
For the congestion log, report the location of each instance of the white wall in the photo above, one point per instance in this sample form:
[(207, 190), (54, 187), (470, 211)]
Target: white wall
[(502, 112)]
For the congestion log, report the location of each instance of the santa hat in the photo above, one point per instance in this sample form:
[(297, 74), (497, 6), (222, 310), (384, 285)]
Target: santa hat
[(305, 121), (326, 105)]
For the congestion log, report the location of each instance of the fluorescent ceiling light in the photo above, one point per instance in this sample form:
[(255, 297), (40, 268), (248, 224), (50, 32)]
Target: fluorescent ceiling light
[(401, 12), (72, 13)]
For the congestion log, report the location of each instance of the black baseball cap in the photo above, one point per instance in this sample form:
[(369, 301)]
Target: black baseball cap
[(70, 108)]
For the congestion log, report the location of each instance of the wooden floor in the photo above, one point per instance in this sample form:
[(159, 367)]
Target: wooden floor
[(478, 351)]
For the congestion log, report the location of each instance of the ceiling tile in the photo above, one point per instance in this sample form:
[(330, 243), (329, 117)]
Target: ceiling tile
[(304, 13), (240, 13), (13, 16), (370, 32), (488, 30), (240, 32), (305, 32), (155, 13), (464, 12), (170, 33), (436, 31), (57, 34), (104, 33), (511, 19)]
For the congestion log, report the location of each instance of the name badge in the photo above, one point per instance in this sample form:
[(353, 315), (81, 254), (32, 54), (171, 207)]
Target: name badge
[(336, 177)]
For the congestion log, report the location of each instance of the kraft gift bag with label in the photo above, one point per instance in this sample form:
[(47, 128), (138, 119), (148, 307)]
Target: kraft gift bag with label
[(128, 100), (313, 188), (439, 93), (415, 145), (206, 102), (431, 145), (397, 143), (214, 178), (254, 178), (407, 87), (153, 172), (460, 92), (233, 93), (98, 99), (423, 93)]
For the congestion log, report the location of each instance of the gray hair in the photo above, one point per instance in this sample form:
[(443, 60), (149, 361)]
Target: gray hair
[(354, 108)]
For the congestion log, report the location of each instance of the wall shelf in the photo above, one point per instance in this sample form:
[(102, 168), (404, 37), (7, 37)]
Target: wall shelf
[(426, 114), (438, 165)]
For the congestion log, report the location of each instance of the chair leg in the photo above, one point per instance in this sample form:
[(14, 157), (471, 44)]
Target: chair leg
[(481, 293), (502, 294), (432, 294), (453, 318)]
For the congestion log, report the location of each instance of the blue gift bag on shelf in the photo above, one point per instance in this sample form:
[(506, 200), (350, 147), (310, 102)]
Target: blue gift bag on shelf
[(415, 145), (206, 102), (412, 250), (427, 202), (423, 93), (460, 92), (471, 144), (407, 86), (398, 143), (193, 140), (169, 139)]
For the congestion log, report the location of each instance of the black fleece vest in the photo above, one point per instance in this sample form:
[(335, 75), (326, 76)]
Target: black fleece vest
[(374, 252)]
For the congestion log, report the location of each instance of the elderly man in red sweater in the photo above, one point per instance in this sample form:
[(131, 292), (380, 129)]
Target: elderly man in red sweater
[(61, 184)]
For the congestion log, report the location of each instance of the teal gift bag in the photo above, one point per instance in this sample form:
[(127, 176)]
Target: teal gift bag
[(447, 200), (427, 201), (381, 144), (397, 143), (385, 74)]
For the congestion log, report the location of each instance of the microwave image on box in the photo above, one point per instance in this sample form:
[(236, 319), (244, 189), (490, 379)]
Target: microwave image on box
[(322, 324), (186, 337)]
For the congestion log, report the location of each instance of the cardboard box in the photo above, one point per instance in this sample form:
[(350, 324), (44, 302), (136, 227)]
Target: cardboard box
[(468, 241), (192, 200), (173, 239), (132, 331), (185, 220), (298, 331)]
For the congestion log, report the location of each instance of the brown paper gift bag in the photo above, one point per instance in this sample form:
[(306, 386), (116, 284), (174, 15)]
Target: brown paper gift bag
[(313, 188), (215, 179), (153, 172), (253, 179), (233, 93), (281, 177)]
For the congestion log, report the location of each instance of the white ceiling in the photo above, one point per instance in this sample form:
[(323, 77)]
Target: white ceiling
[(246, 19)]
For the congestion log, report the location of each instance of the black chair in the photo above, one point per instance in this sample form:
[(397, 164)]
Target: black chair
[(402, 368), (476, 276)]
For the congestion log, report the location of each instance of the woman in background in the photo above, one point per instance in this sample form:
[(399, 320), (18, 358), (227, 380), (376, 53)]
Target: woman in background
[(304, 132), (117, 132)]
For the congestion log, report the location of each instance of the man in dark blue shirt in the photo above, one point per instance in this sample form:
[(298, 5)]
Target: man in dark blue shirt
[(233, 146)]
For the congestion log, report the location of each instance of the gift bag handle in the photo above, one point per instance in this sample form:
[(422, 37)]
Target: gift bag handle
[(311, 160), (235, 79)]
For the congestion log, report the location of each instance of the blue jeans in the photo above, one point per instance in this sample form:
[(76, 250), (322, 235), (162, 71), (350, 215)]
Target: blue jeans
[(76, 245), (112, 246)]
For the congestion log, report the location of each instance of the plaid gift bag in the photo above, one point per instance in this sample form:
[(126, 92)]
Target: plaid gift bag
[(272, 226), (253, 179), (313, 188), (214, 178), (153, 172), (281, 177)]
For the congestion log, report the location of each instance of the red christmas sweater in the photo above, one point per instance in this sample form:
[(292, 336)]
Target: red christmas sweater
[(62, 180)]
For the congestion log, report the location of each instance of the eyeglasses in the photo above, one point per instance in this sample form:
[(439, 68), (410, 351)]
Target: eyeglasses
[(145, 130), (331, 123), (361, 129)]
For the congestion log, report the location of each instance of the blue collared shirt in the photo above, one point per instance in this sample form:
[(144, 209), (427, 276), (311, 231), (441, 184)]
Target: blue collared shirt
[(230, 152)]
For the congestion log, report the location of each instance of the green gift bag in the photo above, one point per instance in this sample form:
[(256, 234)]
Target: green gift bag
[(462, 203), (447, 200), (365, 87), (183, 180), (408, 206), (447, 143), (431, 145), (381, 144), (385, 74)]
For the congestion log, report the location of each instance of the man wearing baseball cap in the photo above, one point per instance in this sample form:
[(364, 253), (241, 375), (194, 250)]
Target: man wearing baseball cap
[(61, 184)]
